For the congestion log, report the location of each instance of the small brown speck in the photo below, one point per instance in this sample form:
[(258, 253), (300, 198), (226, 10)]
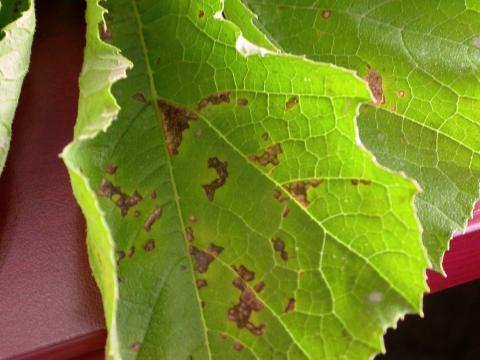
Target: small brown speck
[(293, 101), (259, 287), (153, 195), (326, 14), (265, 136), (360, 181), (290, 306), (120, 255), (135, 346), (237, 346), (131, 251), (183, 268), (192, 219), (223, 335), (201, 13), (149, 245), (189, 234), (242, 102), (136, 214), (401, 93), (111, 169), (139, 97), (201, 283)]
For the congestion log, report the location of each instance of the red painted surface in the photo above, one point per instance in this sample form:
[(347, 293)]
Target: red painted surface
[(49, 305)]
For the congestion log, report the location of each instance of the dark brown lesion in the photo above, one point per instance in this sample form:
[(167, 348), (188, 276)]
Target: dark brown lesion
[(299, 189), (214, 99), (290, 306), (242, 102), (375, 83), (269, 156), (291, 102), (279, 247), (360, 182), (104, 32), (149, 245), (122, 200), (201, 283), (204, 258), (222, 173), (152, 219), (175, 121), (241, 312), (111, 169), (244, 273)]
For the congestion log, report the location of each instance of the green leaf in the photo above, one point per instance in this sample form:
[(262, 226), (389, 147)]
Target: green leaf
[(422, 61), (17, 25), (230, 212)]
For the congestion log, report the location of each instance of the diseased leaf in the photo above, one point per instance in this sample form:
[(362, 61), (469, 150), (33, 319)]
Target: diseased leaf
[(17, 25), (422, 62), (230, 212)]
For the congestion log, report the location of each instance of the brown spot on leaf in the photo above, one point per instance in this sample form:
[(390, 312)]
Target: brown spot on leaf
[(240, 313), (292, 102), (123, 201), (290, 306), (139, 97), (298, 189), (223, 335), (214, 99), (153, 195), (111, 169), (189, 234), (175, 122), (152, 218), (120, 255), (242, 102), (374, 81), (360, 181), (201, 13), (201, 283), (202, 258), (192, 219), (259, 287), (264, 136), (104, 32), (131, 251), (244, 273), (279, 246), (326, 14), (149, 245), (135, 346), (222, 174), (237, 346), (269, 156), (401, 93)]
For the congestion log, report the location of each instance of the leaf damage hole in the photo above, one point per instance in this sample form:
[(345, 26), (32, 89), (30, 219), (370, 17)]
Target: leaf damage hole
[(291, 103), (247, 304), (299, 189), (279, 246), (175, 121), (214, 99), (222, 174), (122, 200), (269, 156), (375, 83), (152, 219), (204, 258)]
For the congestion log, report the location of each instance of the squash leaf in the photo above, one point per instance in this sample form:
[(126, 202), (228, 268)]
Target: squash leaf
[(230, 211), (17, 25), (422, 63)]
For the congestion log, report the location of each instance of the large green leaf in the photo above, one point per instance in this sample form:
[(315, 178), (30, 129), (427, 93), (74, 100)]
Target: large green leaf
[(230, 212), (17, 25), (422, 62)]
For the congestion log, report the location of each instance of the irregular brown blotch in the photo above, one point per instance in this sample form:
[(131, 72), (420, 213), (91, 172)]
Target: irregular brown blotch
[(279, 246), (175, 122), (153, 195), (131, 251), (292, 102), (269, 156), (124, 202), (237, 346), (374, 81), (111, 169), (298, 189), (135, 346), (201, 283), (189, 234), (240, 313), (201, 13), (244, 273), (104, 32), (326, 14), (238, 283), (222, 174), (264, 136), (203, 258), (242, 102), (361, 181), (149, 245), (139, 97), (214, 99), (290, 306), (152, 218), (259, 287)]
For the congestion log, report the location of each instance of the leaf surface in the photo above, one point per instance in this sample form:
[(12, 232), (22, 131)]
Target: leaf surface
[(422, 62), (230, 212), (17, 25)]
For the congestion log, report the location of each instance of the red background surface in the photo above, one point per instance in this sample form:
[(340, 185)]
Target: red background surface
[(49, 305)]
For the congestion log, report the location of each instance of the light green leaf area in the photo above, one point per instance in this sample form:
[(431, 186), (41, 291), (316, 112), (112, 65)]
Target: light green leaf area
[(230, 212), (422, 61), (17, 25)]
